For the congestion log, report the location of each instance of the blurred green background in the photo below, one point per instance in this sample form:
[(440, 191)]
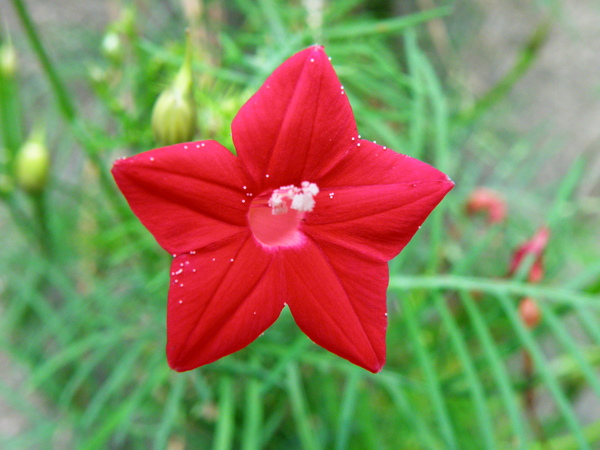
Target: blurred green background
[(499, 95)]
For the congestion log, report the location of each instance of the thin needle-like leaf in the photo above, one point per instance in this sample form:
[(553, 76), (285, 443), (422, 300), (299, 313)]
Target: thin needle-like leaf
[(300, 409), (432, 381), (499, 371), (482, 410), (547, 376)]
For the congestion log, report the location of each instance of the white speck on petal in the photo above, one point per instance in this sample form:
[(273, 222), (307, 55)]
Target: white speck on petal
[(312, 59), (193, 252), (214, 259), (331, 194), (185, 147), (267, 176), (152, 158), (181, 285), (231, 260), (244, 187), (202, 144), (180, 302), (353, 138)]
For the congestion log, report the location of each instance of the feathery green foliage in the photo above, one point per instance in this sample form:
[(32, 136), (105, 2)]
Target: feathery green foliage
[(84, 285)]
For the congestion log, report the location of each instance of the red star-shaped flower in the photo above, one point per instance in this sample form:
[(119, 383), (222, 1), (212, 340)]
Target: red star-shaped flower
[(307, 215)]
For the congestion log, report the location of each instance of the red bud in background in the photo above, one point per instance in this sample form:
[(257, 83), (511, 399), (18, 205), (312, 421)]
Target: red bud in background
[(488, 201), (535, 246)]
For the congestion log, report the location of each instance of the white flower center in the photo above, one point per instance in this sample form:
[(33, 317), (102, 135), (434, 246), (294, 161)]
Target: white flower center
[(291, 197)]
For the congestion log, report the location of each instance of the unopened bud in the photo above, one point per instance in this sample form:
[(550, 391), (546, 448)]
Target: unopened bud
[(8, 60), (174, 113), (173, 118), (530, 312), (534, 247), (111, 46), (488, 201), (32, 164)]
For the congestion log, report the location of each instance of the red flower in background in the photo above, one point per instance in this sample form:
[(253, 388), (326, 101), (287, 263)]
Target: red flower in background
[(307, 215), (535, 247)]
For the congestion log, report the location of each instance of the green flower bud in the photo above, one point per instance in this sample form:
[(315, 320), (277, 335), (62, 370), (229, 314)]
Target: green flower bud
[(111, 46), (174, 113), (32, 164), (173, 118), (8, 60)]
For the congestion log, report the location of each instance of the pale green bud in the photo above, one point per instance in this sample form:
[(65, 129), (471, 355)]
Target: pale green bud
[(8, 60), (174, 113), (32, 164), (173, 117), (111, 46)]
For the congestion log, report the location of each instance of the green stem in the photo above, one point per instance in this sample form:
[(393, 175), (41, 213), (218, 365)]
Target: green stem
[(21, 219), (225, 431), (527, 56), (64, 101), (44, 236), (10, 117)]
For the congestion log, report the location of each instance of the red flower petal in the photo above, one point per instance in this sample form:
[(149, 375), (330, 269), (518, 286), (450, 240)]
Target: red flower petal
[(220, 300), (298, 125), (374, 201), (187, 195), (338, 300)]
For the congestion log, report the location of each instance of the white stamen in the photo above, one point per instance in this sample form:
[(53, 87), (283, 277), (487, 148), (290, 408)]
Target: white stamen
[(300, 199)]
